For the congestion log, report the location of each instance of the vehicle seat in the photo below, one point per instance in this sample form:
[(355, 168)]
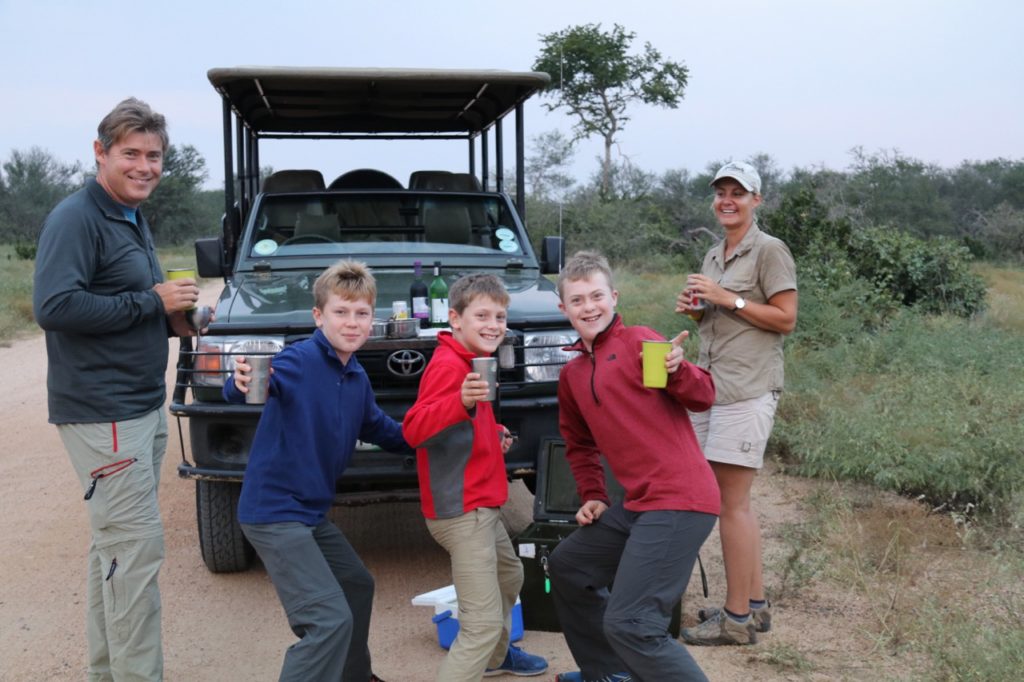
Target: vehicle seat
[(446, 181), (294, 181), (312, 226), (466, 182), (446, 222), (437, 180), (365, 178)]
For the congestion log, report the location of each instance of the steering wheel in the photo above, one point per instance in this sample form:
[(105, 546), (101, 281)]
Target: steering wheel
[(308, 239)]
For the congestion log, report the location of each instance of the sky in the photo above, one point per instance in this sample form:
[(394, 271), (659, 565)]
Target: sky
[(805, 81)]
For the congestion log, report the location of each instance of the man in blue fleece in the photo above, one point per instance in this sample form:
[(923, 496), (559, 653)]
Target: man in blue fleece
[(320, 403)]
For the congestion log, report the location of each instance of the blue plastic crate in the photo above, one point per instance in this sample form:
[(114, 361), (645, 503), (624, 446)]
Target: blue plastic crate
[(448, 626)]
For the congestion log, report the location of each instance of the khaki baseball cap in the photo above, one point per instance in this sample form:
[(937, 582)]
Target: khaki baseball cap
[(741, 172)]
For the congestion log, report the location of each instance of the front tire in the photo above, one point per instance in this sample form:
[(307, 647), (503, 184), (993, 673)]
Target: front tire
[(224, 547)]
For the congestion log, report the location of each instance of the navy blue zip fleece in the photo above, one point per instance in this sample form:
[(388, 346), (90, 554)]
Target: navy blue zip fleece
[(316, 410)]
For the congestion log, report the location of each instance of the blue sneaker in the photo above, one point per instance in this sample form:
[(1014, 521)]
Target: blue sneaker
[(518, 662), (577, 676)]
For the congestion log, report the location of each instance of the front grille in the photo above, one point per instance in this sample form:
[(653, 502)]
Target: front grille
[(394, 367)]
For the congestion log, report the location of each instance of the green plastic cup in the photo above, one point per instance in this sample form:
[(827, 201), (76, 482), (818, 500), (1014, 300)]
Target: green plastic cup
[(655, 375)]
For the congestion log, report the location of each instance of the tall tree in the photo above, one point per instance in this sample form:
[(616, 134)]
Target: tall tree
[(173, 208), (596, 78), (547, 167), (33, 183)]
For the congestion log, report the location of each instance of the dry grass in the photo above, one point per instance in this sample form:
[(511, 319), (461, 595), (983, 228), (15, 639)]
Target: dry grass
[(1005, 296), (922, 594)]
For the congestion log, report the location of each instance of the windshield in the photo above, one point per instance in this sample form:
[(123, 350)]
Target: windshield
[(406, 222)]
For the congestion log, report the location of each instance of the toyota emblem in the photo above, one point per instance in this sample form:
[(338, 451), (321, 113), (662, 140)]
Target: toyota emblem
[(406, 363)]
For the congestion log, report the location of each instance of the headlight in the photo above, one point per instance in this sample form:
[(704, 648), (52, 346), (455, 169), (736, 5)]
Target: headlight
[(543, 354), (214, 358)]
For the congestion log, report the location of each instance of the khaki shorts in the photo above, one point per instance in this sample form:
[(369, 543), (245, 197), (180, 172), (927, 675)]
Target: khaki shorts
[(737, 433)]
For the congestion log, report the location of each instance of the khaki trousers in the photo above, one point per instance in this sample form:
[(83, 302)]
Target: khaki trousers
[(127, 548), (488, 576)]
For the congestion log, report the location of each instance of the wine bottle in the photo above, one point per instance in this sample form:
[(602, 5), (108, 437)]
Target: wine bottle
[(418, 297), (438, 299)]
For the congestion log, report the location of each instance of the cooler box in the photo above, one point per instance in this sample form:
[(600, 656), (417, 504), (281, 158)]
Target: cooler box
[(554, 519), (446, 614)]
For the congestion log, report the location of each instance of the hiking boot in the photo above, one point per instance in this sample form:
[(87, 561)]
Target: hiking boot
[(721, 629), (518, 662), (577, 676), (762, 616)]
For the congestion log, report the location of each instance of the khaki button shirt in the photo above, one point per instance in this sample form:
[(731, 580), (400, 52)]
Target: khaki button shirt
[(745, 361)]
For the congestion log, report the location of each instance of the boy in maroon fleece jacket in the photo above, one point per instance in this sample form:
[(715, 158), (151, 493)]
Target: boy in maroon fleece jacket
[(647, 544), (461, 465)]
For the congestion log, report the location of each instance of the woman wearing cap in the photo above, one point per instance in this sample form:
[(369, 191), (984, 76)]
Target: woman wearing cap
[(745, 301)]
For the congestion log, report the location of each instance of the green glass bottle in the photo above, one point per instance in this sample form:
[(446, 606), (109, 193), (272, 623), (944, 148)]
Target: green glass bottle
[(438, 298)]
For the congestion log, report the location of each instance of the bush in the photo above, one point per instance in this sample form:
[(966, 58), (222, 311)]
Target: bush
[(933, 275), (836, 307), (25, 251)]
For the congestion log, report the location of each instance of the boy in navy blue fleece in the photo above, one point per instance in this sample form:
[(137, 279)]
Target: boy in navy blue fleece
[(319, 404)]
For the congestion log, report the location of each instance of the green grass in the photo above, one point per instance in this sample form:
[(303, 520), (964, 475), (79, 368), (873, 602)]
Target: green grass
[(15, 295), (650, 299), (16, 319)]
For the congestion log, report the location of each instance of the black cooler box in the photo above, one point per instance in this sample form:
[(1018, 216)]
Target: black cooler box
[(554, 518)]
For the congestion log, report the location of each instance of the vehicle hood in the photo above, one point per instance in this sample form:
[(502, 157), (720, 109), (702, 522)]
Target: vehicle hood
[(284, 299)]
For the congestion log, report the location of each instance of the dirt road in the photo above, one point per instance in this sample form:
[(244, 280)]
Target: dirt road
[(230, 627)]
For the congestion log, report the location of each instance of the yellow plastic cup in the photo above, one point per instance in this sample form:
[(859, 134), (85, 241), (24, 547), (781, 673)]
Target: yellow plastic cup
[(655, 375), (182, 273)]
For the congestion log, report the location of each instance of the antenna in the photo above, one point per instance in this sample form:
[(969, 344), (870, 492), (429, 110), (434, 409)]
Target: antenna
[(561, 198)]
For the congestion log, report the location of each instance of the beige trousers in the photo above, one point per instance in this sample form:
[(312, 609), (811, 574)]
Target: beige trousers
[(488, 576), (127, 548)]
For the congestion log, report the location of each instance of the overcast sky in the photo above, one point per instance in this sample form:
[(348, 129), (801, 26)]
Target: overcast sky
[(802, 80)]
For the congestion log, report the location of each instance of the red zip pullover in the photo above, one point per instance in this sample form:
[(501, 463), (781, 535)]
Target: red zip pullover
[(458, 452), (644, 433)]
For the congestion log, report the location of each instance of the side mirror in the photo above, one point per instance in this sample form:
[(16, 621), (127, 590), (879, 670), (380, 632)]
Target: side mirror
[(210, 257), (552, 255)]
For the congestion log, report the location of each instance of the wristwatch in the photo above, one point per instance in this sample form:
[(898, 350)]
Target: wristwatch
[(739, 304)]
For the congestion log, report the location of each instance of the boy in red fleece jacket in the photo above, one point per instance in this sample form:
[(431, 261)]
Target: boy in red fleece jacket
[(461, 465), (647, 544)]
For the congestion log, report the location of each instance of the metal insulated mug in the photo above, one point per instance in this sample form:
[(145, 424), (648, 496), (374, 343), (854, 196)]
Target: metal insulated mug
[(487, 368), (257, 355), (259, 386)]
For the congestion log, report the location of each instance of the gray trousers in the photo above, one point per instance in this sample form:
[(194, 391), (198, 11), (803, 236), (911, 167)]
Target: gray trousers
[(649, 556), (327, 595), (127, 548)]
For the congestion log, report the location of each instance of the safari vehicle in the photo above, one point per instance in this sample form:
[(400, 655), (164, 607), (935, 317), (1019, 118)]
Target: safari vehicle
[(280, 232)]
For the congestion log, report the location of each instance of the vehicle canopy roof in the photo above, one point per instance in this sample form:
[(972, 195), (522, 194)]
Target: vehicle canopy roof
[(372, 101)]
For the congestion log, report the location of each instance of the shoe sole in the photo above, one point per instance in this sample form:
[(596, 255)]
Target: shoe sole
[(720, 641), (495, 673), (707, 614)]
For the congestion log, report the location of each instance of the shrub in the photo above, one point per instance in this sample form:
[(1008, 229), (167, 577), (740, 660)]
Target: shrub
[(933, 275), (25, 251)]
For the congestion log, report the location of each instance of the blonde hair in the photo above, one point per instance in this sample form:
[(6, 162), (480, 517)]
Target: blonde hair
[(349, 279), (583, 265), (468, 287)]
